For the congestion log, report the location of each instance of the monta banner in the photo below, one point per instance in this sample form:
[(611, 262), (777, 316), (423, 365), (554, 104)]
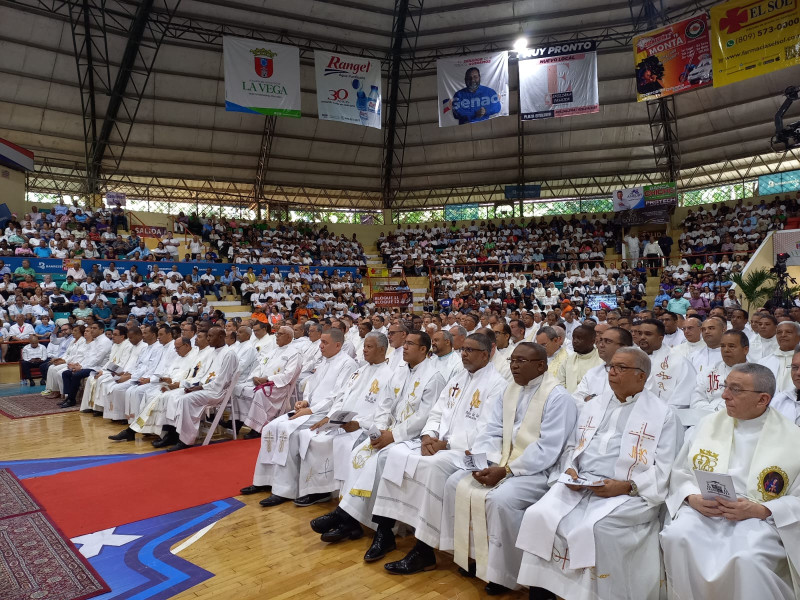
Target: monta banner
[(348, 89), (261, 77), (472, 88), (750, 38), (558, 81), (673, 59)]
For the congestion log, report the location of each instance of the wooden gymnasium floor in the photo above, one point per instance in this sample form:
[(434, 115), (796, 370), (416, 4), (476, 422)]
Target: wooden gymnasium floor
[(253, 552)]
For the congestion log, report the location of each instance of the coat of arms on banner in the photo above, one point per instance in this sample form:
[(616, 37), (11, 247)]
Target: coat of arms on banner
[(263, 62)]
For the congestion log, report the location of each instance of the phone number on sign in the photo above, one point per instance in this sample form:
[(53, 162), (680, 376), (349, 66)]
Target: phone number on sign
[(768, 30)]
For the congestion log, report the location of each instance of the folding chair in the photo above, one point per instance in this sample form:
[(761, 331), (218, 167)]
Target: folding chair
[(226, 400)]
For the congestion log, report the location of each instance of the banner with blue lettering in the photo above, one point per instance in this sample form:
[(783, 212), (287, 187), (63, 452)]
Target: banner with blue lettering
[(348, 89), (472, 88), (59, 266)]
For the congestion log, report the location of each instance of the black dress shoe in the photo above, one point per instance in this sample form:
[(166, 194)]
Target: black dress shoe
[(467, 572), (537, 593), (97, 413), (42, 382), (251, 435), (31, 383), (495, 589), (382, 544), (68, 404), (254, 489), (126, 435), (343, 531), (179, 446), (87, 411), (325, 523), (414, 562), (168, 440), (119, 421), (274, 500), (310, 499)]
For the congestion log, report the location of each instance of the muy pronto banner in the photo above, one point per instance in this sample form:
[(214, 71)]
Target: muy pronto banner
[(348, 89), (750, 38), (558, 81), (261, 77), (472, 88), (673, 59)]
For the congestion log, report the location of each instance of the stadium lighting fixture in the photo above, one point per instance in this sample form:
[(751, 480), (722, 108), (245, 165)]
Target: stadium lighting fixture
[(521, 44)]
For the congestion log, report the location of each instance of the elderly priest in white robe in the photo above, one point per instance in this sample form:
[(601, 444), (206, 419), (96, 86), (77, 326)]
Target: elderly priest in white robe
[(272, 384), (185, 411), (278, 463), (585, 541), (595, 381), (748, 547), (324, 465), (400, 418), (522, 438), (120, 350), (413, 479), (584, 357), (780, 360)]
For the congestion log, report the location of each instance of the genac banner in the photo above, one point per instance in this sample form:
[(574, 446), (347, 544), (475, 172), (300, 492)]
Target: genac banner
[(753, 37), (348, 89), (559, 81), (472, 88), (673, 59), (261, 77)]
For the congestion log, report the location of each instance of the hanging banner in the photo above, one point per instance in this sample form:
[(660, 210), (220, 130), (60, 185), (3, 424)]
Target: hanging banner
[(750, 38), (348, 89), (779, 183), (647, 196), (472, 88), (558, 81), (673, 59), (261, 77)]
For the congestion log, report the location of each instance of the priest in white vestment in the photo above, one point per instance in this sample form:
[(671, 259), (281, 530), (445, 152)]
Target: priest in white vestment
[(523, 437), (692, 331), (595, 381), (278, 463), (719, 549), (75, 353), (149, 358), (705, 358), (307, 342), (150, 419), (447, 360), (584, 357), (552, 340), (261, 340), (396, 334), (672, 378), (673, 336), (400, 417), (503, 350), (107, 379), (258, 401), (787, 402), (585, 542), (135, 395), (328, 445), (707, 394), (96, 355), (780, 361), (185, 411), (766, 342), (120, 350), (412, 483)]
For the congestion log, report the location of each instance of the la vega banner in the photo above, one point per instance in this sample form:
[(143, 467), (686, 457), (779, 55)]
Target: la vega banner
[(348, 89), (673, 59), (753, 37), (261, 77), (472, 88), (559, 81)]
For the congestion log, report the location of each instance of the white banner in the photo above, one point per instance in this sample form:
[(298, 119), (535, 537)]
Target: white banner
[(472, 88), (558, 81), (348, 89), (628, 198), (261, 77)]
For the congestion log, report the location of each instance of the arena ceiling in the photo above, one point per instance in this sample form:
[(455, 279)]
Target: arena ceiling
[(173, 132)]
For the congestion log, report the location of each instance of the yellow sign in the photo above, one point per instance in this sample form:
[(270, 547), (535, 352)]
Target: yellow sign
[(753, 38), (376, 272)]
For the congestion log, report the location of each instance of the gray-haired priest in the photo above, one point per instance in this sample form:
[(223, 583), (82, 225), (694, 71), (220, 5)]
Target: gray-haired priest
[(595, 533), (522, 438), (741, 543)]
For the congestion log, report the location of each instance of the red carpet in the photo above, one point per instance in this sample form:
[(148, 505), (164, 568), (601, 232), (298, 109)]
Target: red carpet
[(89, 500)]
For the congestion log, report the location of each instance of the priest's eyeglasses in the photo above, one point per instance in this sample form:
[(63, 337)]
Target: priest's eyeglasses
[(735, 390), (522, 361), (620, 368)]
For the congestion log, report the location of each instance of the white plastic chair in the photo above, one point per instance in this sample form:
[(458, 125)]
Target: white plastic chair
[(226, 401)]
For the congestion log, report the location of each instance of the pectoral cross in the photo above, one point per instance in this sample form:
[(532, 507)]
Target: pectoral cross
[(454, 391), (269, 438), (282, 441), (558, 557), (639, 454)]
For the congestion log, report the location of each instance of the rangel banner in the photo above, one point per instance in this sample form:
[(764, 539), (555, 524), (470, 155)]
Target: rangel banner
[(558, 81), (261, 77), (348, 89), (750, 38), (673, 59), (472, 88)]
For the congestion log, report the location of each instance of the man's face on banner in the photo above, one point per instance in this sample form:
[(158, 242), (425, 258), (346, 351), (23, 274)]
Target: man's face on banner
[(472, 79)]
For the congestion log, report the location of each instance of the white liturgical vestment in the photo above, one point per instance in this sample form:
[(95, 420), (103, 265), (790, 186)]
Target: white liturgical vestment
[(705, 358), (257, 407), (707, 394), (761, 347), (674, 339), (712, 557), (448, 365), (107, 379), (672, 378), (594, 383), (685, 349), (780, 363), (575, 366), (118, 355)]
